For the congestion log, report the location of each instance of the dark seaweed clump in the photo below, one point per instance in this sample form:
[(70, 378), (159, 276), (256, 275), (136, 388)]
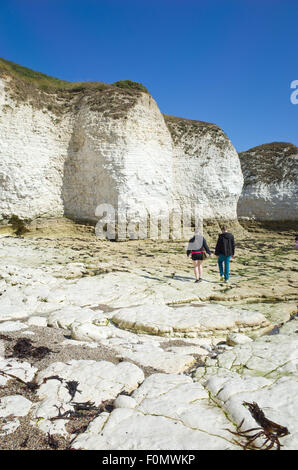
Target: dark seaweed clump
[(24, 349)]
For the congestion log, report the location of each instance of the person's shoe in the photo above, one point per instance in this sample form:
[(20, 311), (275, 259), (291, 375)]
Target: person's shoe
[(222, 278), (227, 281)]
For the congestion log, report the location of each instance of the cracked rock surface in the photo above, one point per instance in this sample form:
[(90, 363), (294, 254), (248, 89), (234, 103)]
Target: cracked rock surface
[(264, 371), (171, 411), (104, 347), (62, 384)]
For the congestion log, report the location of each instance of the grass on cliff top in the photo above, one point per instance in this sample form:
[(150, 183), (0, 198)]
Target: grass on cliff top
[(273, 147), (181, 121), (48, 83), (269, 163)]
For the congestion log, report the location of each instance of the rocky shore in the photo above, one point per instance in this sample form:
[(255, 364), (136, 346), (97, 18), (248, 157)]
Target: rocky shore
[(113, 346)]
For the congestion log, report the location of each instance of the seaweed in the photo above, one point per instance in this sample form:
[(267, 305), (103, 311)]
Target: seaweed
[(53, 443), (52, 377), (85, 406), (24, 349), (41, 352), (5, 337), (268, 429), (72, 387), (32, 386)]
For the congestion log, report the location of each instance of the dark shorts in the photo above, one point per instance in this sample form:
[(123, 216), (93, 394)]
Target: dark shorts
[(197, 256)]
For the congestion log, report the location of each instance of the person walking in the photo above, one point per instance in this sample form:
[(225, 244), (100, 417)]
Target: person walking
[(197, 246), (225, 250)]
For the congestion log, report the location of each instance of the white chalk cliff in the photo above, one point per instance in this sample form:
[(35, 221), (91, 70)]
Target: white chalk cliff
[(270, 189), (66, 152), (206, 168)]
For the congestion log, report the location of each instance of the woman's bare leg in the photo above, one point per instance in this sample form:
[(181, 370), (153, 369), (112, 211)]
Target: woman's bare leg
[(196, 269), (200, 269)]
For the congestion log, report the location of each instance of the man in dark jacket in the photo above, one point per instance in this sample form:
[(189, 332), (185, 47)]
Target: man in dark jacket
[(225, 249)]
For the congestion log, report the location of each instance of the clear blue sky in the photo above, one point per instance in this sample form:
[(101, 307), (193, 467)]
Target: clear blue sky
[(230, 62)]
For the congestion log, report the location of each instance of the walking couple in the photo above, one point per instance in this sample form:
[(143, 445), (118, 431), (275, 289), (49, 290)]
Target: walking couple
[(225, 249)]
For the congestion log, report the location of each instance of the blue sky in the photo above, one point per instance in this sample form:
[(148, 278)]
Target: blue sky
[(230, 62)]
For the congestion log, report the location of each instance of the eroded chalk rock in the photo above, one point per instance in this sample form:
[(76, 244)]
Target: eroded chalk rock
[(145, 350), (125, 289), (263, 371), (89, 332), (11, 368), (152, 355), (14, 305), (270, 356), (10, 427), (237, 338), (66, 316), (290, 328), (126, 330), (203, 321), (124, 401), (12, 326), (37, 321), (171, 412), (62, 384), (15, 405)]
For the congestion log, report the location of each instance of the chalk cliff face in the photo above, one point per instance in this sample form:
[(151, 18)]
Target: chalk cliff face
[(123, 161), (206, 168), (32, 153), (270, 189), (66, 153)]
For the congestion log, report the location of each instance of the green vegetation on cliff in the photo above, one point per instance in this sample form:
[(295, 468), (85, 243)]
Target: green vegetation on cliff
[(48, 93), (269, 163), (48, 83)]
